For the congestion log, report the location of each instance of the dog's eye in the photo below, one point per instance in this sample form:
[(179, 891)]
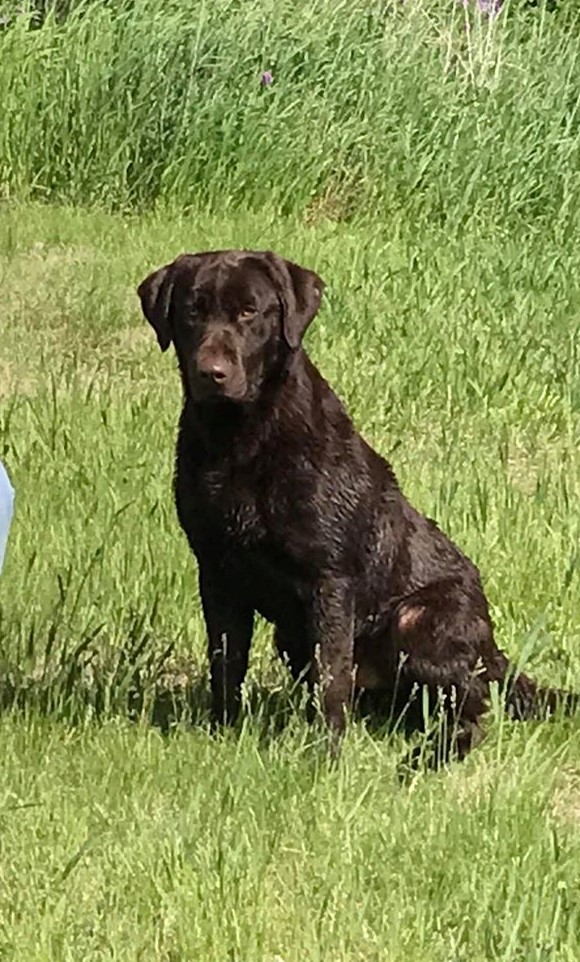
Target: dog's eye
[(247, 313), (197, 305)]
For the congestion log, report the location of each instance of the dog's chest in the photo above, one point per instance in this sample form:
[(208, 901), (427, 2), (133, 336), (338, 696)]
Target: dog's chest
[(234, 506), (244, 518), (246, 511)]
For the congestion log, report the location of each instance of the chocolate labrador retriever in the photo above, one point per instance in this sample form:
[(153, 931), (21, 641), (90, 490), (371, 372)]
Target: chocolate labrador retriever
[(291, 514)]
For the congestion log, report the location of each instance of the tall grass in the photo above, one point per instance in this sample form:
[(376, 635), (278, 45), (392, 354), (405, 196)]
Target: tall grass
[(427, 107)]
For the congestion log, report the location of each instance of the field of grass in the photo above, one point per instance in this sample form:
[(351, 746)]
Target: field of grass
[(430, 175)]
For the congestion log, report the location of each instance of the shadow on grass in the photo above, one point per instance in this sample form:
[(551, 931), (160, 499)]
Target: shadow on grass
[(137, 681), (145, 684), (98, 681)]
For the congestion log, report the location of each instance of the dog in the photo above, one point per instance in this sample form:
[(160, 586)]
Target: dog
[(291, 514)]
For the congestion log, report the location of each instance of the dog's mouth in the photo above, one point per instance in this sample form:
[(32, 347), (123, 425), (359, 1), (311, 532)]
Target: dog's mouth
[(207, 391)]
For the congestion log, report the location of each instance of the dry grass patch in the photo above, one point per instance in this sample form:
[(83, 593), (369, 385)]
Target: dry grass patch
[(566, 800)]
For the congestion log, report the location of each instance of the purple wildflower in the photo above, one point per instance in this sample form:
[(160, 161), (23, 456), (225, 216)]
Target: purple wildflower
[(487, 8), (267, 78), (490, 8)]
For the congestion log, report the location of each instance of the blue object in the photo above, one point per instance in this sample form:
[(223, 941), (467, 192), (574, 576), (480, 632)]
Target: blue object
[(6, 508)]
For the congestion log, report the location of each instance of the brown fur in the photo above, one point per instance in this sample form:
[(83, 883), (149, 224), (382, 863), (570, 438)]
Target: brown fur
[(291, 514)]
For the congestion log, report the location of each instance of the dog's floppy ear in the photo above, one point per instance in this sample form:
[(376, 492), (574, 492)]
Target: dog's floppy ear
[(301, 294), (307, 288), (155, 296), (156, 291)]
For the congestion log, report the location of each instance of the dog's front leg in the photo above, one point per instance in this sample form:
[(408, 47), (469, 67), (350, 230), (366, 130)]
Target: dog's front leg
[(333, 636), (229, 627)]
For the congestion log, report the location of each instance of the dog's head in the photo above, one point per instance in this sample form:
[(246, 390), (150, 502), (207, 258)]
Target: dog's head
[(233, 317)]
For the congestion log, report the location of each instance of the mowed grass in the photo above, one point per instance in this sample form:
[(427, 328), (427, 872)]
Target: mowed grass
[(120, 842)]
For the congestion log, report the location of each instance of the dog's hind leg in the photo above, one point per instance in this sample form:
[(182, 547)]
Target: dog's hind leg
[(443, 638)]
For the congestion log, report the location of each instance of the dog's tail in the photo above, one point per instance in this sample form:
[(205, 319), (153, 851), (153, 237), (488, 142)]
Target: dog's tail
[(527, 700)]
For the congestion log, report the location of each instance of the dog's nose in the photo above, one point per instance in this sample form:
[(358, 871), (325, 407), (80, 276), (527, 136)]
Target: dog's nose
[(214, 371)]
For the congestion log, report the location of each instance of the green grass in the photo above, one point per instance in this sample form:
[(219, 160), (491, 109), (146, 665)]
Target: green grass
[(117, 842), (430, 175), (374, 103)]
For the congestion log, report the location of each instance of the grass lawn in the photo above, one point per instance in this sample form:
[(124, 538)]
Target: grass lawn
[(118, 841)]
